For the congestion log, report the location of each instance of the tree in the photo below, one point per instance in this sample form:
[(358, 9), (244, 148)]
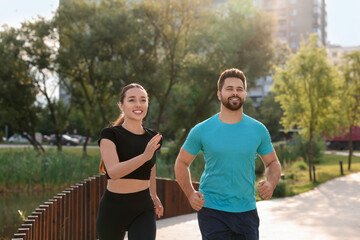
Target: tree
[(270, 115), (174, 24), (95, 57), (41, 39), (351, 95), (19, 108), (307, 90)]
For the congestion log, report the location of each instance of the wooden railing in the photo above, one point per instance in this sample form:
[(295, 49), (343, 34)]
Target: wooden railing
[(71, 214)]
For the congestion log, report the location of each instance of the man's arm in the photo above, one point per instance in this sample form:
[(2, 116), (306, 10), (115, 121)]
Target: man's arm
[(183, 176), (272, 173)]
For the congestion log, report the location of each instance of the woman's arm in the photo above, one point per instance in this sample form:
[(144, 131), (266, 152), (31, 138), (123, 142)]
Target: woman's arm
[(159, 207), (116, 169)]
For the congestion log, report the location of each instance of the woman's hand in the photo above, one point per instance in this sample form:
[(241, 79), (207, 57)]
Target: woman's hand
[(151, 147), (159, 207)]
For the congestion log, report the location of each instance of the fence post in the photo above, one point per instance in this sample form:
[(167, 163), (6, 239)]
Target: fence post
[(31, 222), (341, 168)]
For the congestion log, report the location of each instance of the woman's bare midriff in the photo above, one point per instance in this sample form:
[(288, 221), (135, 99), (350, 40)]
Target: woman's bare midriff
[(127, 185)]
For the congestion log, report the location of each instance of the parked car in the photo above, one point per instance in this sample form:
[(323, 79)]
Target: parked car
[(81, 138), (46, 138), (16, 138), (65, 140)]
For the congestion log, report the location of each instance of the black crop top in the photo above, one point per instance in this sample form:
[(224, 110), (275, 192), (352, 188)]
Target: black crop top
[(129, 145)]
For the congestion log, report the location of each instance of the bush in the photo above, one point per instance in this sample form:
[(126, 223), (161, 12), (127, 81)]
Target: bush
[(301, 147), (259, 166), (297, 148), (280, 190), (300, 165)]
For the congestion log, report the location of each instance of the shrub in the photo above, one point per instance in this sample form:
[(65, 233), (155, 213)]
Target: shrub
[(280, 190), (300, 165), (259, 166)]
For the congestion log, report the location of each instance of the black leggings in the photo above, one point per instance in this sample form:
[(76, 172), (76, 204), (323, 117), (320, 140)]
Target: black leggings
[(133, 212)]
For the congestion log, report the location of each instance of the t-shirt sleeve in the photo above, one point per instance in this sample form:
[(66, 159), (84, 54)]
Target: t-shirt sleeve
[(265, 146), (107, 133), (192, 143)]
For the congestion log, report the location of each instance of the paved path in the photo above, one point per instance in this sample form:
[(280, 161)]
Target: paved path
[(329, 212)]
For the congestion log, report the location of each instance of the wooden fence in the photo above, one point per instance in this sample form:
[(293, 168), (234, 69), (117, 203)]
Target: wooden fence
[(71, 214)]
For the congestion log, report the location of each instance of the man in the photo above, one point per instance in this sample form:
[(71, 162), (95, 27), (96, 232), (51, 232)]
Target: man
[(229, 140)]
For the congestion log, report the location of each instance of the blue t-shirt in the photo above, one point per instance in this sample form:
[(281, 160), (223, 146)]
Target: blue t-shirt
[(228, 180)]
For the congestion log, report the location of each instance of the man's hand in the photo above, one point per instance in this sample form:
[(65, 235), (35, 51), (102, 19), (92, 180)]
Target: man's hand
[(266, 189), (196, 200)]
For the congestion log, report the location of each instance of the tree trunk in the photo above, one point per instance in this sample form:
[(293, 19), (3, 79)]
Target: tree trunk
[(85, 143), (350, 148), (310, 155)]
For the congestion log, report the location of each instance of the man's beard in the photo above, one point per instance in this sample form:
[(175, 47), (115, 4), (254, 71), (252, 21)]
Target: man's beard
[(233, 106)]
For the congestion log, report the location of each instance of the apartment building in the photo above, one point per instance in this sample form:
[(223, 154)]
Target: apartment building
[(336, 53), (295, 19)]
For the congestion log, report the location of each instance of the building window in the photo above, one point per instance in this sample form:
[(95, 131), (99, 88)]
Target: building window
[(294, 12), (293, 23), (293, 34), (293, 1)]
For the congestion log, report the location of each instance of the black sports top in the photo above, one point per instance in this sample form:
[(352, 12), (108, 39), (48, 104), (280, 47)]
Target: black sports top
[(129, 145)]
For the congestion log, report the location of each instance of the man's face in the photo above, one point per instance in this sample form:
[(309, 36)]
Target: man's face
[(232, 94)]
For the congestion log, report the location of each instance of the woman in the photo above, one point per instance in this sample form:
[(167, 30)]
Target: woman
[(128, 159)]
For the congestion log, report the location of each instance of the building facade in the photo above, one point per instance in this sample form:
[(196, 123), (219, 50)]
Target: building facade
[(336, 53), (295, 20)]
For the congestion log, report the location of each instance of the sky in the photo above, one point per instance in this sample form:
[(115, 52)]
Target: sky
[(342, 15)]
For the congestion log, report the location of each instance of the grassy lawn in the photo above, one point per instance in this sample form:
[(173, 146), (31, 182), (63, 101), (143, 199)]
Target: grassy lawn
[(297, 180)]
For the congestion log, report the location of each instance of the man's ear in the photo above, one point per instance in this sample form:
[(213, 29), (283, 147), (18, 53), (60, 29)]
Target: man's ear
[(219, 95)]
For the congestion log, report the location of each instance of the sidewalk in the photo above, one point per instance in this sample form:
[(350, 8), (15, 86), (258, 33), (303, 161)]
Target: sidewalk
[(330, 212)]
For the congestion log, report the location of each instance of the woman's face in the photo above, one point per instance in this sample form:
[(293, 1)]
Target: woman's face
[(135, 104)]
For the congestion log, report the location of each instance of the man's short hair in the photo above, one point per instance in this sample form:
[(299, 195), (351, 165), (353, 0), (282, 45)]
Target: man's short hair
[(232, 72)]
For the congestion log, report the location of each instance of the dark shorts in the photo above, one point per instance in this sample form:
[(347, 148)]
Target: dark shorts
[(220, 225), (119, 213)]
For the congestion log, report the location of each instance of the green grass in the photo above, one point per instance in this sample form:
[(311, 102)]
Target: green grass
[(297, 180), (23, 168)]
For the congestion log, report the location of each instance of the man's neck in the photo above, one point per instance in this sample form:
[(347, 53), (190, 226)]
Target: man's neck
[(230, 117)]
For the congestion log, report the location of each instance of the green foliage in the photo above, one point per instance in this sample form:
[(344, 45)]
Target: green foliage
[(280, 189), (28, 168), (270, 115), (307, 89), (350, 89), (301, 147), (175, 49), (297, 148), (259, 166), (300, 165), (19, 109)]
